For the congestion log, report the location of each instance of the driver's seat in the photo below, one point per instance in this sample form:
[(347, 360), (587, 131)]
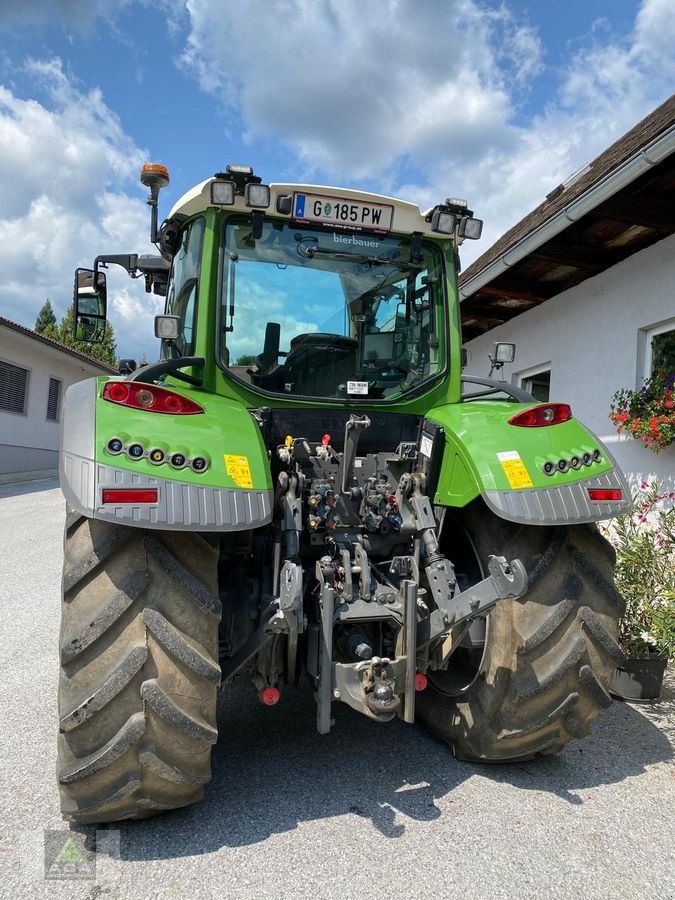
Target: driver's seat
[(317, 363)]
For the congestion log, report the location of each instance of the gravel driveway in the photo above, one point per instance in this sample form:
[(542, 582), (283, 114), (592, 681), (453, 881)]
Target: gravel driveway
[(368, 811)]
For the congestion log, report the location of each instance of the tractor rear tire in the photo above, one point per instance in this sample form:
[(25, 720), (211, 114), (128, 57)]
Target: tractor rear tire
[(544, 672), (139, 670)]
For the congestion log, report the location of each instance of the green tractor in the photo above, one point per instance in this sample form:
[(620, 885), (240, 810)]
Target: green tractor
[(306, 491)]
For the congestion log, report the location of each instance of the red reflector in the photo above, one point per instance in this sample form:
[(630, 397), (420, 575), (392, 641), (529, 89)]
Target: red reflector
[(420, 682), (605, 494), (270, 696), (160, 400), (132, 495), (539, 416)]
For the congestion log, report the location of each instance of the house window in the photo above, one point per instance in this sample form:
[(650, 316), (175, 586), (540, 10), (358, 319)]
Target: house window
[(13, 388), (660, 348), (536, 381), (54, 400)]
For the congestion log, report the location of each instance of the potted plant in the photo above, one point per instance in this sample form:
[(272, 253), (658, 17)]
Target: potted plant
[(644, 541), (647, 414)]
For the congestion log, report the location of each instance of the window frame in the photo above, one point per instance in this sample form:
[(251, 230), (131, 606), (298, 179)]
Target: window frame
[(645, 355), (444, 309), (59, 382), (518, 377), (26, 396), (201, 217)]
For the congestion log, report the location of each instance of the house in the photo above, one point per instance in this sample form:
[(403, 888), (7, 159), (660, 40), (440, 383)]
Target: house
[(585, 287), (34, 373)]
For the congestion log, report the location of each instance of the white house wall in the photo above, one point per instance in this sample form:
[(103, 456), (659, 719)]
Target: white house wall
[(590, 335), (30, 442)]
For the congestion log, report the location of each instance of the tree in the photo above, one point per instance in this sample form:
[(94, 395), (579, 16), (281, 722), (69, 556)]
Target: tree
[(46, 320), (247, 359), (106, 351)]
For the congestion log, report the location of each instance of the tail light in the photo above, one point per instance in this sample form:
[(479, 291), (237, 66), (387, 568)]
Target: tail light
[(603, 494), (149, 397), (546, 414)]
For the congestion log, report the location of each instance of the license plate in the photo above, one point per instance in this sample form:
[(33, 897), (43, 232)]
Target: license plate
[(342, 211)]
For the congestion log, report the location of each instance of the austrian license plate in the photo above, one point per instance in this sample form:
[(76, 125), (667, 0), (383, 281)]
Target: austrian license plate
[(339, 211)]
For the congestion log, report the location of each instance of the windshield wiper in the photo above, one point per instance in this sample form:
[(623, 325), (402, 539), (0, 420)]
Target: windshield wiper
[(312, 251)]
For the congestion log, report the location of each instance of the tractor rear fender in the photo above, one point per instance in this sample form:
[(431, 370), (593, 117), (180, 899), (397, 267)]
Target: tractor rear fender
[(206, 471), (535, 475)]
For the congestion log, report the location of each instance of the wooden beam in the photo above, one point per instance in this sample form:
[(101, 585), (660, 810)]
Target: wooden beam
[(638, 209), (581, 256), (480, 311), (517, 289)]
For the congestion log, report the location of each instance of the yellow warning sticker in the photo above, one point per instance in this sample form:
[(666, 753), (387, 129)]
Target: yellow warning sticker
[(514, 469), (238, 469)]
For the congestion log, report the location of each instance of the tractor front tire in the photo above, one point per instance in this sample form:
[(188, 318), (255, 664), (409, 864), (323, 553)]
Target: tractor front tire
[(544, 672), (139, 670)]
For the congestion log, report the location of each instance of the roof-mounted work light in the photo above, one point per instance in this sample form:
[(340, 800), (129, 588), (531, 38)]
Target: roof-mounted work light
[(456, 205), (238, 180), (257, 196), (443, 221), (222, 193), (470, 228), (238, 169)]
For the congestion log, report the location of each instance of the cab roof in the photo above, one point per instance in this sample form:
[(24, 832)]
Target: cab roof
[(407, 217)]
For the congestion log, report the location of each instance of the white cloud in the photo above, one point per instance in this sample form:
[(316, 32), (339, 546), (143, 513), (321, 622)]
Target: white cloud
[(374, 91), (64, 168), (352, 86)]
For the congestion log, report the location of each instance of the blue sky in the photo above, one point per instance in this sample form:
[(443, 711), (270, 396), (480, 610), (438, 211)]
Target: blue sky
[(497, 102)]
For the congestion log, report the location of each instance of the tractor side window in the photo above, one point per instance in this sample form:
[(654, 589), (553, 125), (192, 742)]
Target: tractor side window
[(181, 297)]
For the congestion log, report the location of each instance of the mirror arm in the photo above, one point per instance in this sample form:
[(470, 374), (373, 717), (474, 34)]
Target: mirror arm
[(128, 261)]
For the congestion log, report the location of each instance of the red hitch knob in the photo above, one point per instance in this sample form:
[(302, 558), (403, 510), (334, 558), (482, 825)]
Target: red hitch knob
[(270, 696), (420, 682)]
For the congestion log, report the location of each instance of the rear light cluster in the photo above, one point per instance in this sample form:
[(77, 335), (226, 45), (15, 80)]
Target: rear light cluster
[(157, 456), (137, 395), (539, 416), (575, 462)]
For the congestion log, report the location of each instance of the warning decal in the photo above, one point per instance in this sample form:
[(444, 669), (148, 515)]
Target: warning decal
[(514, 469), (238, 469)]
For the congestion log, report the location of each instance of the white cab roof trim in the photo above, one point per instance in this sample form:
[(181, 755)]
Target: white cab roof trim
[(407, 216)]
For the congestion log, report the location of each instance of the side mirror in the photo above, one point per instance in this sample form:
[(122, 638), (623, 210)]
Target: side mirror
[(90, 302)]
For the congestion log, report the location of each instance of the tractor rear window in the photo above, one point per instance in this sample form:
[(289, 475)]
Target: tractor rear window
[(323, 313)]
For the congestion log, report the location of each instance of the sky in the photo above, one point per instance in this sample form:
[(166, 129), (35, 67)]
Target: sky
[(497, 102)]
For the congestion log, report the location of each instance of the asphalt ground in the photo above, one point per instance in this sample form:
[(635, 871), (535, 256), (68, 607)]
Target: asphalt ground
[(368, 811)]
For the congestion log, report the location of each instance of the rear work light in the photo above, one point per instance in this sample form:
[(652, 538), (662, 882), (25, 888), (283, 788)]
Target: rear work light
[(149, 397), (600, 494), (546, 414), (131, 495)]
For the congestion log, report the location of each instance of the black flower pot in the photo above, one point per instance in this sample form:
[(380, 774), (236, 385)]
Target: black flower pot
[(639, 678)]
